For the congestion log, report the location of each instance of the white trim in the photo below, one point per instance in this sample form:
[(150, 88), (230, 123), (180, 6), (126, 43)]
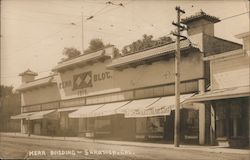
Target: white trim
[(225, 55), (243, 35)]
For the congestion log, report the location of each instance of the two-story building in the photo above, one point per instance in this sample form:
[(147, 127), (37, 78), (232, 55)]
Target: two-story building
[(129, 97), (228, 98)]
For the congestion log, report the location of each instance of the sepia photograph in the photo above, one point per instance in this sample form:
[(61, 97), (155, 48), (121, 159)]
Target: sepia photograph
[(125, 79)]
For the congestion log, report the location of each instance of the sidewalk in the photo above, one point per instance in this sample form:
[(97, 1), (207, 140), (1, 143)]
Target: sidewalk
[(211, 149)]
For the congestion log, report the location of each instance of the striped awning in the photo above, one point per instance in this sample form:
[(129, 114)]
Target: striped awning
[(85, 111), (68, 109), (21, 116), (136, 105), (42, 114), (161, 106), (108, 109), (36, 115)]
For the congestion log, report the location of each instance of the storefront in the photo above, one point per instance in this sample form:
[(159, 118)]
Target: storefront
[(228, 99), (127, 97), (39, 123)]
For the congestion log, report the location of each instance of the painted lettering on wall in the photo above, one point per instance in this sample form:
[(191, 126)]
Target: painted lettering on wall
[(102, 76), (65, 84), (82, 92), (84, 80)]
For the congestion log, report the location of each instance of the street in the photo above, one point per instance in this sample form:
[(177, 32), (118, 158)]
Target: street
[(29, 148)]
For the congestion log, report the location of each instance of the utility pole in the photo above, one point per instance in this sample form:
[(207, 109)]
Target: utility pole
[(177, 77), (82, 35)]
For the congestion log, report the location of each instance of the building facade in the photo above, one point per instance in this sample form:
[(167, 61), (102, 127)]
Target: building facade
[(130, 97), (228, 99)]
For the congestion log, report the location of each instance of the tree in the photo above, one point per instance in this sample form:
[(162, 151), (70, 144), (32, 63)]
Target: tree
[(10, 103), (5, 91), (145, 43), (71, 52), (95, 45)]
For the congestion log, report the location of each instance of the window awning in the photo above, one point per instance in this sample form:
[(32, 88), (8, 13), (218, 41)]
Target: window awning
[(161, 107), (42, 114), (85, 111), (243, 91), (21, 116), (108, 109), (136, 105), (68, 109), (35, 115)]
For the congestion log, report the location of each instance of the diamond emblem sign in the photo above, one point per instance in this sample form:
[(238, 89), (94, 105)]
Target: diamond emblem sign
[(82, 80)]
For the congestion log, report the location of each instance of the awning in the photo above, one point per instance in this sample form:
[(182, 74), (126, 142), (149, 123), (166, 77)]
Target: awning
[(227, 93), (68, 109), (42, 114), (108, 109), (35, 115), (136, 105), (161, 107), (21, 116), (85, 111)]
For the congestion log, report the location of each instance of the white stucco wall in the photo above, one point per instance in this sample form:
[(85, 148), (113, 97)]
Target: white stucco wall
[(161, 72), (40, 95), (230, 72)]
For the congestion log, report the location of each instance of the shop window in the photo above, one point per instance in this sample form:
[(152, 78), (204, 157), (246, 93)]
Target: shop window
[(192, 119), (90, 124), (141, 125), (102, 125), (158, 91), (229, 120), (190, 125), (150, 125), (168, 90)]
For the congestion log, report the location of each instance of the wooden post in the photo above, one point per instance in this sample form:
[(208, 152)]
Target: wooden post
[(28, 127), (177, 79)]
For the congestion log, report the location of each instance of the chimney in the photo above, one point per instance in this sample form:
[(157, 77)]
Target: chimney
[(28, 76), (200, 23)]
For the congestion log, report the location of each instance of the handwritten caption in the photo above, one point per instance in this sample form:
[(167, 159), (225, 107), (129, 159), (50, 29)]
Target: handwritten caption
[(85, 152)]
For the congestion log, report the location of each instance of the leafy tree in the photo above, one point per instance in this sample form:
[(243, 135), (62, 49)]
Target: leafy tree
[(95, 45), (5, 91), (9, 105), (145, 43), (71, 52)]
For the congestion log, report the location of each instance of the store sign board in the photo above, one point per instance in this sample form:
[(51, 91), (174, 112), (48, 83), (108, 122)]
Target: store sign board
[(85, 80), (154, 111), (82, 80)]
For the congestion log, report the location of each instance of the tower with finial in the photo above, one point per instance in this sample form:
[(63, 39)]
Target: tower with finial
[(28, 76)]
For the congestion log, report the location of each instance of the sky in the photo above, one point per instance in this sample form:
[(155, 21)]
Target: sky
[(35, 32)]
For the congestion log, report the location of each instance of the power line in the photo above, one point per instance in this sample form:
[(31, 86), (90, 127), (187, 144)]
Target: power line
[(32, 21), (39, 41), (42, 12), (223, 19), (16, 75), (234, 16), (229, 17)]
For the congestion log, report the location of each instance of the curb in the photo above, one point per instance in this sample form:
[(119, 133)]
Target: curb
[(212, 149)]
